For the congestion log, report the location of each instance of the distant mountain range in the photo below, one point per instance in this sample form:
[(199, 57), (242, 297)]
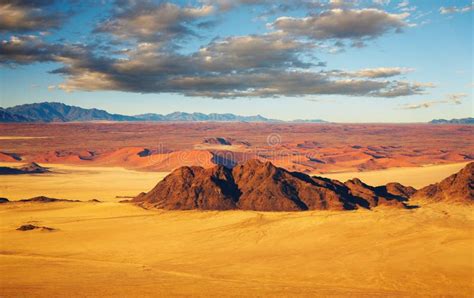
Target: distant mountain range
[(59, 112), (469, 120)]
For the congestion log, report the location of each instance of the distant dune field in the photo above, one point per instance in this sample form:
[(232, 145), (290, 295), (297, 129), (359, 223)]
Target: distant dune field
[(310, 148), (112, 249)]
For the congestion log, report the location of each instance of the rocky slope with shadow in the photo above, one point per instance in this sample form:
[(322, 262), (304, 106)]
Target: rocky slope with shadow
[(260, 186), (457, 188)]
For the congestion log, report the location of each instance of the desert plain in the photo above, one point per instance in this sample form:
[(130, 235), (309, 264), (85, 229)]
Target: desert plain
[(109, 248)]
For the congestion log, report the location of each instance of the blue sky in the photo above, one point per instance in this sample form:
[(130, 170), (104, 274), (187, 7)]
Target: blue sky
[(343, 61)]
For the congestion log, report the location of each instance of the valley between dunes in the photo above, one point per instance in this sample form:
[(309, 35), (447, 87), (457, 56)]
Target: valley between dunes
[(116, 249)]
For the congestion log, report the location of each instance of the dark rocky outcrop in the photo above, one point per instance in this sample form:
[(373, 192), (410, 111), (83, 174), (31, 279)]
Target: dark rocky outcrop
[(256, 185), (31, 168), (30, 227), (43, 199), (457, 188), (225, 141), (4, 200)]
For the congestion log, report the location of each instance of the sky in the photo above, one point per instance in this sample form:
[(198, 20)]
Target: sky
[(341, 61)]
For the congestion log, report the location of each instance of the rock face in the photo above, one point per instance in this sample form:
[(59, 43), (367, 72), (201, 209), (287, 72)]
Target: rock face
[(260, 186), (392, 194), (193, 188), (457, 188)]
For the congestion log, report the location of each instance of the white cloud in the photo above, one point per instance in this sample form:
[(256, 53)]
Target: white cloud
[(453, 98), (454, 9)]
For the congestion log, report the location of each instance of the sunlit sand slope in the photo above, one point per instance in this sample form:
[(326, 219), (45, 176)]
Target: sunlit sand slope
[(79, 183), (106, 249), (417, 177)]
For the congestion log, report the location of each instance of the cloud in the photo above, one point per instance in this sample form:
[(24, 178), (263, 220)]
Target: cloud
[(454, 9), (29, 49), (343, 24), (146, 21), (403, 4), (24, 16), (246, 66), (381, 72), (269, 51), (136, 53), (271, 6), (25, 50), (381, 2), (454, 98), (262, 83), (423, 105)]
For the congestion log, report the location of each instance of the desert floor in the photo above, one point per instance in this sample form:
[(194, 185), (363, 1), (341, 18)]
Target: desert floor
[(109, 249), (78, 183), (116, 249)]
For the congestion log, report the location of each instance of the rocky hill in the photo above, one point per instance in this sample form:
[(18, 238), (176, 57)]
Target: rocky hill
[(255, 185), (457, 188)]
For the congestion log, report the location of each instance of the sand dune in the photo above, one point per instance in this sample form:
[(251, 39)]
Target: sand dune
[(106, 249)]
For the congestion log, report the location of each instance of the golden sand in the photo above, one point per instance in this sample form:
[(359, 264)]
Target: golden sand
[(78, 182), (416, 176), (112, 249)]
